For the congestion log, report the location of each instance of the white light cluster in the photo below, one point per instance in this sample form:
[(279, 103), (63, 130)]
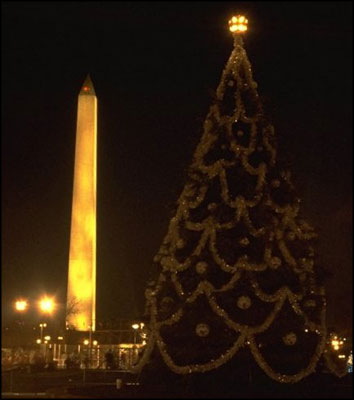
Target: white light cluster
[(336, 343), (238, 24)]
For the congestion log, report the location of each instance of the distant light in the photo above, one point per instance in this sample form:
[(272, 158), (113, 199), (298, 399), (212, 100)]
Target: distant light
[(86, 342), (21, 305), (38, 341), (86, 88), (95, 343), (306, 330), (341, 356), (144, 342), (238, 24), (135, 326), (60, 338), (336, 343), (46, 305), (47, 337)]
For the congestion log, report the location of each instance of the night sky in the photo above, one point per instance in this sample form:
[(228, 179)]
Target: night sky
[(154, 66)]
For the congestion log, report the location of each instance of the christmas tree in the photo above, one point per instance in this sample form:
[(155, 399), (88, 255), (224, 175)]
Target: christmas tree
[(237, 268)]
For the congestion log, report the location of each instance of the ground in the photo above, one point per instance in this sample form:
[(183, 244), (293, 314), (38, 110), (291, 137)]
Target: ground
[(102, 384)]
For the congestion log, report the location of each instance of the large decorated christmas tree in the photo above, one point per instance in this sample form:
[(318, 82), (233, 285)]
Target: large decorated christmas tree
[(237, 270)]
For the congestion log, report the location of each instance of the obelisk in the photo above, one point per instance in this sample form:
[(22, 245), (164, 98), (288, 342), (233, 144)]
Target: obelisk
[(81, 293)]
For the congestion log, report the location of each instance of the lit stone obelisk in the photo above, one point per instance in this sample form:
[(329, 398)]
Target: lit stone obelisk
[(81, 294)]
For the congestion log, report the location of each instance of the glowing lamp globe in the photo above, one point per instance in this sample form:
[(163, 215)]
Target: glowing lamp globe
[(21, 305), (238, 24), (46, 305)]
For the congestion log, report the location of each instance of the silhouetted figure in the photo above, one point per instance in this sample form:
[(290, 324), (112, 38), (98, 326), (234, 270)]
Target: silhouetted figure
[(109, 359)]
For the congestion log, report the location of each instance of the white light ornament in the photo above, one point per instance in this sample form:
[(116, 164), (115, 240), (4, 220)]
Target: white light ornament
[(290, 339), (244, 302), (202, 330), (180, 243), (201, 267), (238, 24), (275, 262), (310, 303)]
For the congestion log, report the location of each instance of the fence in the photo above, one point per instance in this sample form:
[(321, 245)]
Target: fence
[(63, 356)]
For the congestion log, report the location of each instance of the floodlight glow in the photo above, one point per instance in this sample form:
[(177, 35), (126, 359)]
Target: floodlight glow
[(82, 254)]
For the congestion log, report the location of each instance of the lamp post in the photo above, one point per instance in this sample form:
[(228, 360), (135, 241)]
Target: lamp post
[(46, 305), (135, 352), (90, 349), (135, 327), (42, 325), (60, 338), (21, 307)]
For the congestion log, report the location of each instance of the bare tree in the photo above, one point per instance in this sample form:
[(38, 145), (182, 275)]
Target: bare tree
[(72, 308)]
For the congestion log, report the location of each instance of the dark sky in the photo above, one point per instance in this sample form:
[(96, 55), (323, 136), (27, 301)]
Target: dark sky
[(154, 66)]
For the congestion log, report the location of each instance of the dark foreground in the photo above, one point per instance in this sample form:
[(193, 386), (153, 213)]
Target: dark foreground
[(103, 384)]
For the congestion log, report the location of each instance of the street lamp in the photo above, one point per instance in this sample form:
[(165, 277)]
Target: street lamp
[(60, 339), (46, 305), (21, 305), (42, 325), (135, 327)]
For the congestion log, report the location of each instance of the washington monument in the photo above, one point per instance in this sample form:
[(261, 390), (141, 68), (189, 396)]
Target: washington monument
[(81, 293)]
